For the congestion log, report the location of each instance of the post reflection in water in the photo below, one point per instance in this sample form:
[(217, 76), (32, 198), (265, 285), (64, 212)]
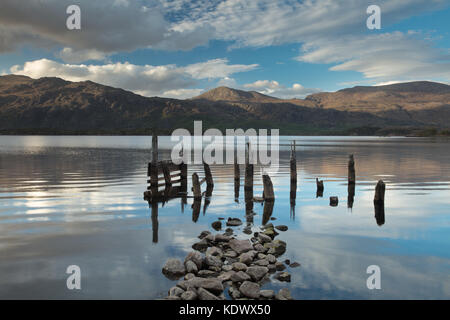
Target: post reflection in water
[(351, 195), (379, 212), (267, 211), (208, 194)]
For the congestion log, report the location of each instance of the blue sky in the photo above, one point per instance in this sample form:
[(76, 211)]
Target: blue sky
[(180, 48)]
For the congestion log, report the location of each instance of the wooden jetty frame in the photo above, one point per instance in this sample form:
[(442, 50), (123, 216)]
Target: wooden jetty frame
[(167, 174)]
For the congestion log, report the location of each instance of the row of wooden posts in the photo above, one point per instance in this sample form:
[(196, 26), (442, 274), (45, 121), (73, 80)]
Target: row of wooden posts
[(177, 173)]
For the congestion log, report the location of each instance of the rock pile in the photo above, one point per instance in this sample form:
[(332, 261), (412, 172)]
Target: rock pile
[(221, 261)]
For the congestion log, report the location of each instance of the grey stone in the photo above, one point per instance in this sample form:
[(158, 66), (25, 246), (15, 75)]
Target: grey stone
[(213, 261), (173, 269), (234, 222), (227, 268), (283, 294), (267, 294), (202, 245), (245, 258), (280, 266), (283, 276), (250, 289), (240, 276), (271, 258), (271, 268), (189, 276), (282, 228), (195, 257), (226, 276), (203, 234), (257, 272), (204, 294), (278, 248), (263, 238), (216, 225), (240, 246), (259, 247), (239, 266), (175, 291), (294, 265), (189, 295), (191, 267), (214, 251), (207, 273), (221, 238), (262, 262), (234, 293), (230, 254)]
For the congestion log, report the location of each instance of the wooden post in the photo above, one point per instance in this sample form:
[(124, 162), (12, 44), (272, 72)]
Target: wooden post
[(351, 170), (248, 170), (293, 163), (166, 173), (237, 173), (379, 192), (196, 186), (154, 166), (208, 175), (268, 188), (183, 177), (320, 187)]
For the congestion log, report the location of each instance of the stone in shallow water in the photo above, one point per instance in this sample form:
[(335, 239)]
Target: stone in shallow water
[(240, 246), (283, 294), (256, 272), (280, 266), (202, 245), (250, 289), (278, 248), (267, 294), (271, 258), (294, 265), (271, 268), (173, 269), (204, 234), (234, 293), (214, 251), (216, 225), (234, 222), (263, 238), (281, 228), (221, 238), (262, 262), (283, 276)]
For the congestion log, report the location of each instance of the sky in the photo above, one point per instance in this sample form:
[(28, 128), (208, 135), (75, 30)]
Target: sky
[(181, 48)]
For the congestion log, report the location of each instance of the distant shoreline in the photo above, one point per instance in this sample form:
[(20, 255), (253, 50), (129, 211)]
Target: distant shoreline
[(361, 131)]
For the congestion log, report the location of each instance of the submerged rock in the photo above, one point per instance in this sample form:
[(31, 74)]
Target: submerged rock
[(281, 228), (173, 269), (294, 265), (283, 294), (283, 276), (234, 222), (267, 294), (201, 245), (216, 225)]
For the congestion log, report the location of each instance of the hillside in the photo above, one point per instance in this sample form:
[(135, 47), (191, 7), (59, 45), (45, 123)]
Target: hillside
[(55, 106)]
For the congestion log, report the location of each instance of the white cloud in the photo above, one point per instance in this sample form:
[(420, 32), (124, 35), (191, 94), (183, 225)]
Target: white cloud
[(381, 56), (273, 88), (148, 80)]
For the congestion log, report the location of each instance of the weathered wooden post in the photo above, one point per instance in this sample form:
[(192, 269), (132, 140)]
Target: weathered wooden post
[(208, 175), (320, 187), (268, 193), (378, 202), (379, 192), (196, 186), (351, 170), (248, 169), (237, 172), (154, 166)]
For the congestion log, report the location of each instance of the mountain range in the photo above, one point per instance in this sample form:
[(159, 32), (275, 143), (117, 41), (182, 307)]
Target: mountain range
[(56, 106)]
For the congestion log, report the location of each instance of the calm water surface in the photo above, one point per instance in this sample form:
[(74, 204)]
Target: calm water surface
[(78, 201)]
